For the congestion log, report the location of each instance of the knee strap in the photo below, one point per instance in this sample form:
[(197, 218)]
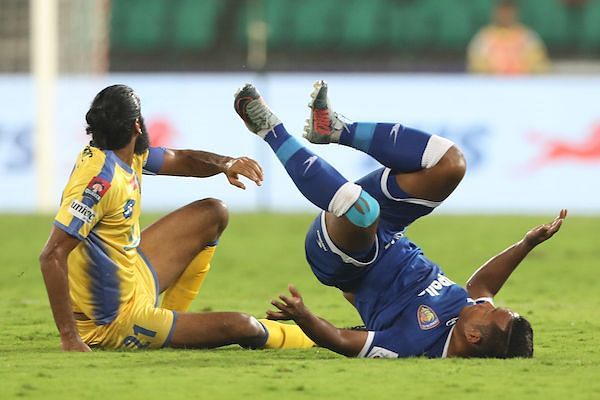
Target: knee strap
[(364, 212), (357, 205)]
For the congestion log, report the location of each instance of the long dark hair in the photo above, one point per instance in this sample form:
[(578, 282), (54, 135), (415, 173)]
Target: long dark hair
[(111, 118)]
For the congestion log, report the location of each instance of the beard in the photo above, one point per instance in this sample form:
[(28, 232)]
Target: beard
[(142, 143)]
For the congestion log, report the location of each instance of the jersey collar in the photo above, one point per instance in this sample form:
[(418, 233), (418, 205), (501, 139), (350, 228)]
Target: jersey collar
[(447, 344)]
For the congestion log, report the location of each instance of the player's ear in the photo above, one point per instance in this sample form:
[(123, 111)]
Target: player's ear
[(137, 126), (473, 335)]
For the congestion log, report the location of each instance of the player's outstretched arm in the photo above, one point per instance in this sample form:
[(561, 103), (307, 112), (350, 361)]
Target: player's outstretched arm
[(53, 261), (342, 341), (202, 164), (489, 278)]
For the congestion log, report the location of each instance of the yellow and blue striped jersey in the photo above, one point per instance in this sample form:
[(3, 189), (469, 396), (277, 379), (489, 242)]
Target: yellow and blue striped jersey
[(101, 206)]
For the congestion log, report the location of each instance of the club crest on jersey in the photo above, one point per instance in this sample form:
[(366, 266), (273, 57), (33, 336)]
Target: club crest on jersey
[(427, 318), (96, 188), (128, 208)]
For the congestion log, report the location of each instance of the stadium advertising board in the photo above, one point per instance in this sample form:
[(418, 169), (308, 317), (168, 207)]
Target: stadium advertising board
[(532, 144)]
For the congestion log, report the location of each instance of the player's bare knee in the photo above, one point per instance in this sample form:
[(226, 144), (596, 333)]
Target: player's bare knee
[(215, 212), (454, 164), (246, 328)]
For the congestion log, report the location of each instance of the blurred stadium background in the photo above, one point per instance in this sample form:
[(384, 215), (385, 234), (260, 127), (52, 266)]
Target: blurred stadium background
[(532, 142)]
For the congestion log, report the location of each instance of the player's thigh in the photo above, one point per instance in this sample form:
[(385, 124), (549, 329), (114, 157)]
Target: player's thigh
[(435, 183), (173, 241), (332, 264), (215, 329)]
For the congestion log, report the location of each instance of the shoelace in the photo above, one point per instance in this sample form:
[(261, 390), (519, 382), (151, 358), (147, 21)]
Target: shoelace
[(321, 121)]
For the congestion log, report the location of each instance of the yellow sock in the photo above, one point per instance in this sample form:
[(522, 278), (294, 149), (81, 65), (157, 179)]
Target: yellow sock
[(180, 295), (284, 336)]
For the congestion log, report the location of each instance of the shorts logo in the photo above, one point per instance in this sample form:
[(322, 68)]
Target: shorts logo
[(128, 208), (81, 212), (427, 318), (96, 188)]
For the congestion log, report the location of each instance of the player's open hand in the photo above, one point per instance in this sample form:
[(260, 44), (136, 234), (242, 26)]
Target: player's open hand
[(544, 232), (289, 307), (246, 167)]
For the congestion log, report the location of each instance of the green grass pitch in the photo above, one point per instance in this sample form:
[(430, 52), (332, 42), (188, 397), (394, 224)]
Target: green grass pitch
[(557, 288)]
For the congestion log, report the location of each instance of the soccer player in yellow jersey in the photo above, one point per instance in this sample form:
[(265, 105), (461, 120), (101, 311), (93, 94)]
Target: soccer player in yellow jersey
[(103, 275)]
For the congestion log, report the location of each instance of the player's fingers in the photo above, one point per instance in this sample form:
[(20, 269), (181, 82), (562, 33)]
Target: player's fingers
[(249, 173), (257, 168), (236, 182), (279, 305), (277, 315), (294, 291), (555, 226), (562, 214), (285, 299)]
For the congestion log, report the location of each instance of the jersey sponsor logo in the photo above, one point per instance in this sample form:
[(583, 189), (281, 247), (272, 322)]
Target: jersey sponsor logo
[(81, 212), (427, 318), (397, 236), (96, 188), (128, 208), (437, 285), (452, 321), (380, 352)]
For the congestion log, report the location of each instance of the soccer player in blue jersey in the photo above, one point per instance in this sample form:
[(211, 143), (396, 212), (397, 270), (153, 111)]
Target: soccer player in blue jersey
[(104, 276), (357, 243)]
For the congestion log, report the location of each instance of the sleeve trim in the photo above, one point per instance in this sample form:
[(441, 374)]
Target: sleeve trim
[(71, 231), (367, 345)]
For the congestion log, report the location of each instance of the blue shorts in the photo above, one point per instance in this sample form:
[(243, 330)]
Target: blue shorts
[(336, 267)]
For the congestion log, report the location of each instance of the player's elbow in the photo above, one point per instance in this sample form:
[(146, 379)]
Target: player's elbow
[(51, 256)]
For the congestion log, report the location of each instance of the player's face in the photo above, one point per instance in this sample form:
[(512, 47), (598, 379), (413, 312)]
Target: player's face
[(485, 315)]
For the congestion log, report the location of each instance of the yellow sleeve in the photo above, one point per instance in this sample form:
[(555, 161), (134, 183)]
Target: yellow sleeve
[(85, 198)]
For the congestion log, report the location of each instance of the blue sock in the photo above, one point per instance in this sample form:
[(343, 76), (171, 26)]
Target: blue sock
[(314, 177), (393, 145)]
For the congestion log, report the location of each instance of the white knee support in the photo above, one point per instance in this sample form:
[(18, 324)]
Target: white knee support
[(356, 204), (344, 198), (436, 147)]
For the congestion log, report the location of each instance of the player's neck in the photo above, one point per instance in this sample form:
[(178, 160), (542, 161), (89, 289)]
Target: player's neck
[(456, 347), (126, 154)]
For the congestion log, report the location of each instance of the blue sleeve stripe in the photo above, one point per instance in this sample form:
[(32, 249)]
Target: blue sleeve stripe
[(288, 149), (68, 230), (171, 331), (363, 135), (155, 160), (107, 173), (154, 275)]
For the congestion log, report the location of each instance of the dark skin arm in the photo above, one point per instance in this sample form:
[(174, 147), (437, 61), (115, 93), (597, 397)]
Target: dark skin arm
[(489, 278), (53, 261), (342, 341), (202, 164)]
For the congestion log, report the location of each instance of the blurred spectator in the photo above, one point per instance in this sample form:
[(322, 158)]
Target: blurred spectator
[(506, 46)]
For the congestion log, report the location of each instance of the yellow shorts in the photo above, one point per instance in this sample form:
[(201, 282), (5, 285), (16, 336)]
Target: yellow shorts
[(140, 324)]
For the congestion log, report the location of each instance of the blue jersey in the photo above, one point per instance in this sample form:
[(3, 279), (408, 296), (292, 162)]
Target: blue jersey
[(406, 302), (408, 305)]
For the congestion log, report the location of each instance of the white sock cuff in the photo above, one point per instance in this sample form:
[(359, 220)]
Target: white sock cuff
[(344, 198), (436, 147)]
